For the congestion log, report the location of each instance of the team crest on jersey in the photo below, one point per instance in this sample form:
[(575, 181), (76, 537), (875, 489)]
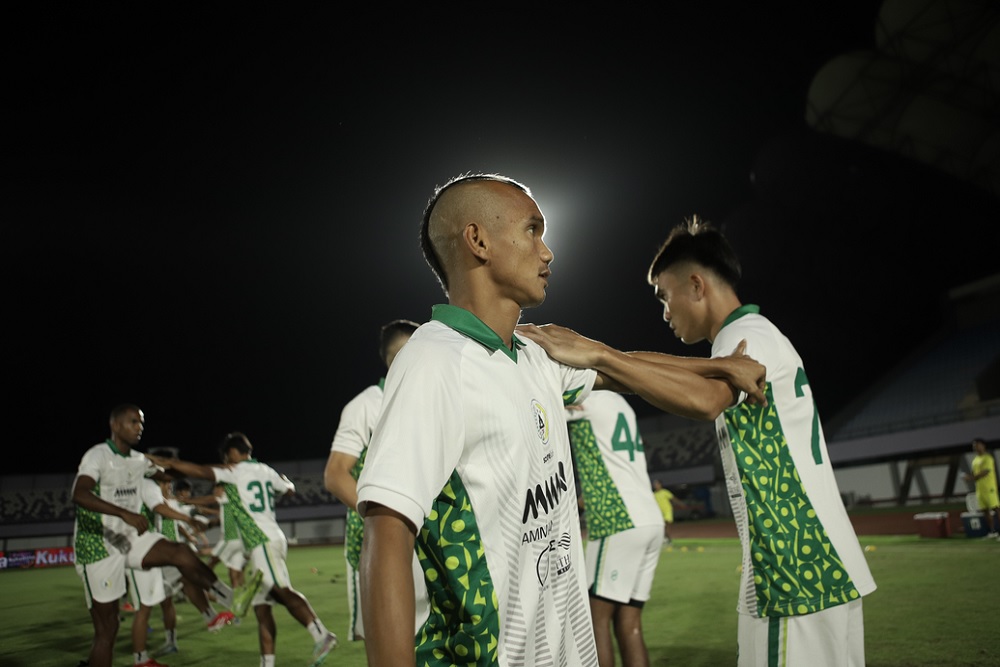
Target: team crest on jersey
[(541, 421)]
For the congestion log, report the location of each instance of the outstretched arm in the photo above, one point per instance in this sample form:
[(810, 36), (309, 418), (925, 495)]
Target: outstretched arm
[(186, 468), (166, 510), (694, 388)]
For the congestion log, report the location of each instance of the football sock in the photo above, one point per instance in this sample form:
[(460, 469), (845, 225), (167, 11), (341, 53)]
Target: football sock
[(317, 629)]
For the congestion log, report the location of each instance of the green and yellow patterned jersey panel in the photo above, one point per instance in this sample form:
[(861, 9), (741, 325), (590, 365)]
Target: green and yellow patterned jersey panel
[(165, 523), (251, 533), (168, 527), (464, 622), (796, 569), (606, 511), (230, 530), (355, 524), (89, 544)]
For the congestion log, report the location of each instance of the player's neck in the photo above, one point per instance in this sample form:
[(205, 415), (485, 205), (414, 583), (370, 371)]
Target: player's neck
[(500, 315), (123, 447)]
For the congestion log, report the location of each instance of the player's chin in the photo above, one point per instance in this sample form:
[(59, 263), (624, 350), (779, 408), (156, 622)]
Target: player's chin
[(533, 299)]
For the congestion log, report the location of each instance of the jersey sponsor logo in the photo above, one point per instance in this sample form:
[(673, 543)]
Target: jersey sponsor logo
[(536, 533), (554, 558), (126, 492), (545, 497), (541, 421)]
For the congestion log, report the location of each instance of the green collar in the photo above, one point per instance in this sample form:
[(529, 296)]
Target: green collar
[(381, 383), (749, 309), (464, 322), (114, 448)]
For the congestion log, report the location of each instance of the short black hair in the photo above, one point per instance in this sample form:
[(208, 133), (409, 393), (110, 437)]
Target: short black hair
[(237, 441), (430, 255), (698, 241), (123, 408), (390, 331)]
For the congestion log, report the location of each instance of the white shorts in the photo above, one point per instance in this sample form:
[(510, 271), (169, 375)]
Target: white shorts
[(620, 567), (231, 554), (104, 581), (834, 637), (146, 587), (269, 558)]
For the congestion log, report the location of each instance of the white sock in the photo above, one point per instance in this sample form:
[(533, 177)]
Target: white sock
[(171, 636), (141, 657), (317, 630), (223, 593), (208, 614), (267, 660)]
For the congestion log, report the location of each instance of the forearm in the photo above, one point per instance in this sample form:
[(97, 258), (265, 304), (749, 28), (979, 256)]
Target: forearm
[(344, 490), (170, 513), (189, 469), (338, 480), (670, 387), (387, 599), (705, 367), (89, 501)]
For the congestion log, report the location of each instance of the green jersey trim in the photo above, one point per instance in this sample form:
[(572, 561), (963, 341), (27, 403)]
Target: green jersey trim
[(111, 443), (748, 309), (569, 397), (463, 627), (469, 325)]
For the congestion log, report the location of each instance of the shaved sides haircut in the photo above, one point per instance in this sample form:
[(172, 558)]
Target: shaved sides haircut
[(437, 239)]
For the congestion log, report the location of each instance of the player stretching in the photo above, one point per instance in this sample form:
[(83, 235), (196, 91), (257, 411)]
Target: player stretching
[(252, 487), (111, 535)]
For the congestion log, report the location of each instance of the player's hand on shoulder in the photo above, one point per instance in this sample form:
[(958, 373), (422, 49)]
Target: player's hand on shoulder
[(563, 344), (748, 375)]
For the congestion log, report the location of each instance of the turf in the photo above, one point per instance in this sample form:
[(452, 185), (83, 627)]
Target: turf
[(934, 606)]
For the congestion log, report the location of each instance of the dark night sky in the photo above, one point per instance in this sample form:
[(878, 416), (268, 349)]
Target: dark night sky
[(210, 213)]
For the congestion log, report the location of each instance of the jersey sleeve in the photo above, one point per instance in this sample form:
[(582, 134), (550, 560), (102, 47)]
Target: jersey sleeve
[(414, 448), (150, 493), (225, 475), (356, 422), (281, 484), (577, 383), (90, 464)]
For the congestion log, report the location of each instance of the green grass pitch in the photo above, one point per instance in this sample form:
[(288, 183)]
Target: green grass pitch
[(935, 605)]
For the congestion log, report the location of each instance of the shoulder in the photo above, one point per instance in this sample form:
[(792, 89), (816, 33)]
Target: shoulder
[(367, 396), (434, 348), (96, 454), (765, 342)]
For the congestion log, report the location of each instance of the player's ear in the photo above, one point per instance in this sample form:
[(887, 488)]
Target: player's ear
[(697, 283), (474, 236)]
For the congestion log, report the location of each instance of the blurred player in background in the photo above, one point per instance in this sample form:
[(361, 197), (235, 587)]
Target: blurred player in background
[(347, 458), (624, 523), (111, 534), (253, 488)]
